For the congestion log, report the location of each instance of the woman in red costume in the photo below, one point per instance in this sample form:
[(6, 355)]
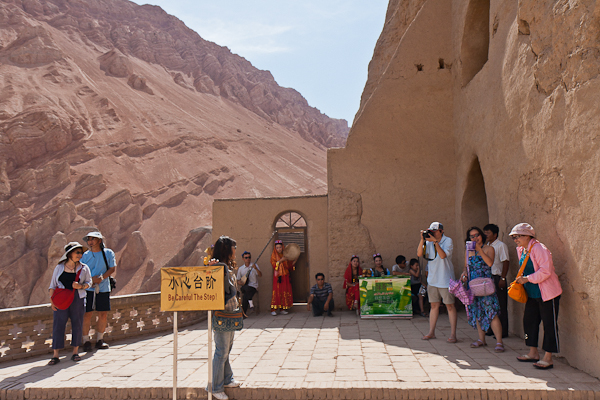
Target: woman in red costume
[(282, 289), (353, 272)]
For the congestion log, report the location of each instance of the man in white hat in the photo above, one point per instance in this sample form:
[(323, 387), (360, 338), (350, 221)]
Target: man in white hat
[(102, 265), (437, 249)]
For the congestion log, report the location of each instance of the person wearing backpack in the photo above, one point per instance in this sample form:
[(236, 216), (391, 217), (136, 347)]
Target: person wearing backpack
[(102, 265)]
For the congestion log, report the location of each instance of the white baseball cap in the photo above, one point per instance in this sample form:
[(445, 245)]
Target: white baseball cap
[(435, 226), (95, 234)]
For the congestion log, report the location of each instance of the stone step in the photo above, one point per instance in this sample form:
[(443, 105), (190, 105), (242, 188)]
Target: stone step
[(381, 390)]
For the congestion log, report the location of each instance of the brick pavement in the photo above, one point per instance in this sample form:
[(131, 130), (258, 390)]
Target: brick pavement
[(298, 356)]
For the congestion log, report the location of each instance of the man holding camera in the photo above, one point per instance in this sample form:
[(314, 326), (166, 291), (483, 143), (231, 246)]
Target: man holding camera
[(437, 249)]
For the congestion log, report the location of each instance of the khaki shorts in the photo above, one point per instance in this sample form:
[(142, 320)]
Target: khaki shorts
[(436, 295)]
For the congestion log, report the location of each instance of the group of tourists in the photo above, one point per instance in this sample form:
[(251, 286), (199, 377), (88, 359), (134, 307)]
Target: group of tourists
[(486, 263), (80, 285), (486, 257)]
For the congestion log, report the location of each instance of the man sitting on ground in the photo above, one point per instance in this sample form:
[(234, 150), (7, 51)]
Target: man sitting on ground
[(247, 277), (321, 297)]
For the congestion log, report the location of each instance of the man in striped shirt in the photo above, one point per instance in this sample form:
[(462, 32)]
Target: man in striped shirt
[(321, 297)]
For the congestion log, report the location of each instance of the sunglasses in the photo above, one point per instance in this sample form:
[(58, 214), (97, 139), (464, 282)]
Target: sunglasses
[(78, 252), (247, 257), (376, 255), (475, 236)]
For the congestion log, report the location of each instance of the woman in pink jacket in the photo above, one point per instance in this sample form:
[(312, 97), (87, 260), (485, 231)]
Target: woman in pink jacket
[(543, 295)]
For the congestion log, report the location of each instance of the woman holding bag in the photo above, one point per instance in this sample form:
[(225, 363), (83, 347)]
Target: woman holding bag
[(484, 310), (543, 295), (222, 375), (67, 288)]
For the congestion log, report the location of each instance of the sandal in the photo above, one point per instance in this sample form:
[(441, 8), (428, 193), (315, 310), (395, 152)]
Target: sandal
[(75, 357), (428, 337), (499, 348), (478, 343), (452, 340), (527, 358), (424, 314), (543, 365), (54, 361)]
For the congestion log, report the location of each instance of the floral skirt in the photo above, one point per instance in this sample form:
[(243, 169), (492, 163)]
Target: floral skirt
[(483, 309)]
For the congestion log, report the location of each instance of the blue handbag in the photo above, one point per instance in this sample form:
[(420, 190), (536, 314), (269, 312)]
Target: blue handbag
[(227, 321)]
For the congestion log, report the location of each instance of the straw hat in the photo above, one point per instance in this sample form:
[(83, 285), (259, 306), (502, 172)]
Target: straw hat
[(69, 248)]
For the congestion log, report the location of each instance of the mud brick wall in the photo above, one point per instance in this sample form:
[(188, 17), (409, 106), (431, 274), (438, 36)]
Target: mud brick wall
[(27, 331)]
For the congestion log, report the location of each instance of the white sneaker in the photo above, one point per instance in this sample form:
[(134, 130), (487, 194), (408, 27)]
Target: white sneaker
[(250, 304), (233, 384), (273, 313), (220, 395), (284, 312)]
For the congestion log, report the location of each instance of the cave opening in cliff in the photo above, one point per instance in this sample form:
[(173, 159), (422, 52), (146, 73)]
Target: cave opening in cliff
[(474, 207), (291, 228), (475, 39)]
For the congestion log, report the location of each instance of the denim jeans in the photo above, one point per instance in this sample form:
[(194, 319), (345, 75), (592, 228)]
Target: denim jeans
[(221, 369)]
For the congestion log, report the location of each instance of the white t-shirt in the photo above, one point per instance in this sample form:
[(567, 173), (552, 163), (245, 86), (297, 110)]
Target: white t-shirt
[(396, 268), (440, 270), (253, 279), (501, 255)]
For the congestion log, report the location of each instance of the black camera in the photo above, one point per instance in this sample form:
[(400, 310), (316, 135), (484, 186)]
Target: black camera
[(427, 234)]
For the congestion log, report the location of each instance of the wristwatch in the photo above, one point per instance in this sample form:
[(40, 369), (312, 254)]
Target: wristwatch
[(502, 279)]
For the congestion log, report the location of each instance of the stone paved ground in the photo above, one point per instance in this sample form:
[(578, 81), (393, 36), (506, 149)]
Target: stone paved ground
[(298, 356)]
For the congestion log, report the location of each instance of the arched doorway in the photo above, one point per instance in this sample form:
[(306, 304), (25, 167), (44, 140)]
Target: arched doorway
[(474, 208), (291, 228)]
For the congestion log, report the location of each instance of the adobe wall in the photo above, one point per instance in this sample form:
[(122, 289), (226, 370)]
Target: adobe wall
[(512, 122), (530, 117), (396, 174), (251, 222)]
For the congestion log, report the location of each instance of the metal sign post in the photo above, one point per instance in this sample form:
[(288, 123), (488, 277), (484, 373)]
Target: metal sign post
[(210, 382), (192, 289), (174, 355)]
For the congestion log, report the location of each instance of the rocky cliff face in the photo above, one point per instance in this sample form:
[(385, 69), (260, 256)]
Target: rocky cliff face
[(119, 117), (494, 107)]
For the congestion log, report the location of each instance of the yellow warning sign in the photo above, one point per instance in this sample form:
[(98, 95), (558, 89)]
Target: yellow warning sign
[(192, 288)]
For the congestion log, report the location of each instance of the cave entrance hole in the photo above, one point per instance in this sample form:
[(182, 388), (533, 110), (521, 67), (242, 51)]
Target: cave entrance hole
[(474, 207), (476, 39)]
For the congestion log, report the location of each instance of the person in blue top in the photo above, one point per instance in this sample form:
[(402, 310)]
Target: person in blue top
[(102, 265)]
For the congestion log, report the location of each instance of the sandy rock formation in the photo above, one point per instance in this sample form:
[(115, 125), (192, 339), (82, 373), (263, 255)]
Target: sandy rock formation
[(116, 64), (83, 146), (139, 83), (134, 254)]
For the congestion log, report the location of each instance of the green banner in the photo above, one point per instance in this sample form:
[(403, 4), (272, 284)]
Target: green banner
[(385, 297)]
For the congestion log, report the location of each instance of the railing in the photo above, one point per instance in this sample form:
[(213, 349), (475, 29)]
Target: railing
[(27, 331)]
